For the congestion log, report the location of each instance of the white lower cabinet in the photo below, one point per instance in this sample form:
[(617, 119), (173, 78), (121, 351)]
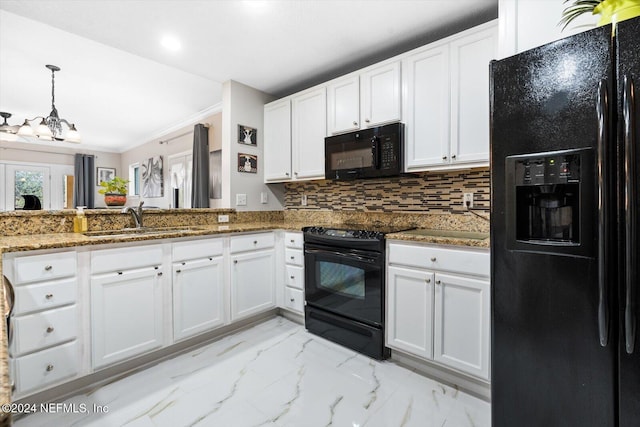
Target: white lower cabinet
[(461, 323), (197, 296), (410, 301), (293, 286), (252, 274), (126, 314), (442, 317)]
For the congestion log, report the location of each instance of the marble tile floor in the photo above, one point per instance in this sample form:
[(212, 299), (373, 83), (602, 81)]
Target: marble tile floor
[(273, 374)]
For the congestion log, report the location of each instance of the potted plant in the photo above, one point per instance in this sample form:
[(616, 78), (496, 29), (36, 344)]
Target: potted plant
[(115, 191), (610, 11)]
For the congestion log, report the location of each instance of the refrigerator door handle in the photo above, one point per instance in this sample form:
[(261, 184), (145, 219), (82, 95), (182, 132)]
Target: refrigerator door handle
[(628, 104), (602, 110)]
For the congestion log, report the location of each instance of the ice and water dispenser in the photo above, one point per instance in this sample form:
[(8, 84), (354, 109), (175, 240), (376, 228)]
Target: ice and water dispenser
[(550, 202)]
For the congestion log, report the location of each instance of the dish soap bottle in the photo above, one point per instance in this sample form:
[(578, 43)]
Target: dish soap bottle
[(80, 221)]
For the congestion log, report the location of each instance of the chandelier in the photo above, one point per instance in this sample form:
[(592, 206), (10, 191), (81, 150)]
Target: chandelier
[(50, 127)]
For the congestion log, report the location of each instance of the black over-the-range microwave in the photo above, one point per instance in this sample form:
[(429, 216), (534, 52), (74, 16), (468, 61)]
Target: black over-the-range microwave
[(368, 153)]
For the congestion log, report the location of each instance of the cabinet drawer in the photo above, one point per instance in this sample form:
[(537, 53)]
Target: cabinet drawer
[(119, 259), (294, 257), (252, 242), (197, 249), (437, 258), (294, 299), (37, 370), (43, 296), (37, 268), (293, 240), (295, 276), (44, 329)]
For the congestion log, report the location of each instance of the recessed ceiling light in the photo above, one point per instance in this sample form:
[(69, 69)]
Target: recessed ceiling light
[(171, 43)]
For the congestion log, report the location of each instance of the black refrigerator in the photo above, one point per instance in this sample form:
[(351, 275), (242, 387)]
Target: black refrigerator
[(565, 121)]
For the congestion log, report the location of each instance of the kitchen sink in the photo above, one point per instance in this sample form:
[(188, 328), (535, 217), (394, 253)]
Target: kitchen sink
[(139, 231), (476, 235)]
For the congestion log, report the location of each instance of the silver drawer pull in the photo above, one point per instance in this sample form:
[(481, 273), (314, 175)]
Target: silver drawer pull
[(49, 367), (293, 277), (255, 242), (235, 261), (48, 296), (367, 120), (293, 257), (50, 329), (178, 271), (160, 274), (433, 259), (48, 267), (293, 241), (355, 123), (292, 300), (428, 280), (437, 282)]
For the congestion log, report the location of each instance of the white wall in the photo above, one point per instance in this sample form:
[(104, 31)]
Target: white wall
[(176, 144), (245, 106)]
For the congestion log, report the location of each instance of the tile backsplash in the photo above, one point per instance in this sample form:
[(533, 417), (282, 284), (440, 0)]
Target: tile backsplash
[(433, 192)]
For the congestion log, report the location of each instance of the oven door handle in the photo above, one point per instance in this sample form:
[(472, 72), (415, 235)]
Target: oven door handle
[(348, 255)]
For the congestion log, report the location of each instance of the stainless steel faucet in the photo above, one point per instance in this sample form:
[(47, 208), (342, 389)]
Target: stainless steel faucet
[(136, 213)]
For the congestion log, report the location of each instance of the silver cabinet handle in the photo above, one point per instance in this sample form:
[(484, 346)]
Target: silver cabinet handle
[(160, 274), (602, 112), (444, 157), (293, 277), (119, 273), (49, 367), (438, 282), (235, 261), (433, 259), (48, 268), (178, 271), (453, 156), (286, 173), (50, 329), (295, 173), (367, 120), (292, 300), (293, 241), (255, 242), (355, 123), (428, 280), (293, 257), (48, 296)]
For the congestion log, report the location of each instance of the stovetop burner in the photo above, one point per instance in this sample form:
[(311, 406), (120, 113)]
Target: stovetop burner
[(356, 231)]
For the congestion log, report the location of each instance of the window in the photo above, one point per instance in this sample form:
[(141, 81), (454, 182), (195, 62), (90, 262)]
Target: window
[(27, 180), (134, 179)]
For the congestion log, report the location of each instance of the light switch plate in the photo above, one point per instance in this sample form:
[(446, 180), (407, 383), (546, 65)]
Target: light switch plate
[(223, 218), (241, 200), (303, 200)]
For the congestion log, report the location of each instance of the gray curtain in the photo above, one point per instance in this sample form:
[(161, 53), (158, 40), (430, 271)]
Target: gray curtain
[(200, 168), (84, 183)]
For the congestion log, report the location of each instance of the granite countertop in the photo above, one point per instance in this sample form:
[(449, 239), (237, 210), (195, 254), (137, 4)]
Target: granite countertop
[(63, 240), (479, 240)]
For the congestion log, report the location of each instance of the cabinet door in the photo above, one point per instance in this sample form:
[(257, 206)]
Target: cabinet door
[(470, 57), (197, 296), (461, 325), (252, 283), (410, 311), (309, 128), (380, 95), (277, 141), (126, 314), (427, 108), (343, 105)]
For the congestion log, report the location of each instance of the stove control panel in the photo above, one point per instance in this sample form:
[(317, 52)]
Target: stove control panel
[(350, 234)]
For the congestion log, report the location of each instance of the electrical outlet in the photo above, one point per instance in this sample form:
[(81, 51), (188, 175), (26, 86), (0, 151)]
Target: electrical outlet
[(241, 200), (467, 200), (264, 197), (303, 201), (223, 218)]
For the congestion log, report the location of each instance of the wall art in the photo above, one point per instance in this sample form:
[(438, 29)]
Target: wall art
[(247, 163), (152, 180), (247, 135), (104, 174)]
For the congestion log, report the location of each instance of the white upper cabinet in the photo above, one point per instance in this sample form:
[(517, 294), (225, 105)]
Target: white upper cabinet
[(277, 141), (380, 95), (470, 57), (525, 24), (363, 100), (447, 101), (343, 105), (427, 107), (308, 129)]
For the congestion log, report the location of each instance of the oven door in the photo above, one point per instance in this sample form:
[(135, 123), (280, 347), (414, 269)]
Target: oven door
[(347, 282)]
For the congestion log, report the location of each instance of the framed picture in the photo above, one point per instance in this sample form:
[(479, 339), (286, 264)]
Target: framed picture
[(247, 135), (152, 179), (104, 174), (247, 163)]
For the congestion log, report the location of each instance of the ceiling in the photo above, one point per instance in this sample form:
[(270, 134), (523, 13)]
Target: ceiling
[(122, 88)]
